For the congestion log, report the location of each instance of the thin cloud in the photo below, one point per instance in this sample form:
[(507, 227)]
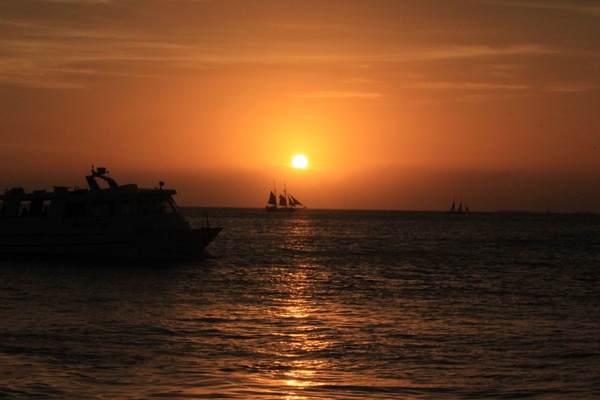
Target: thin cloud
[(77, 1), (68, 51), (58, 54), (308, 27), (574, 87), (466, 86), (585, 9), (447, 52), (338, 95)]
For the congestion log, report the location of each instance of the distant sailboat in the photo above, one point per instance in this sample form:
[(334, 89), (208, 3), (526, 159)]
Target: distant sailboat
[(287, 203), (454, 210)]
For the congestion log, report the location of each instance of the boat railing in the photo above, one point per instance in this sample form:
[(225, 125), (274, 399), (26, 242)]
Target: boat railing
[(205, 221)]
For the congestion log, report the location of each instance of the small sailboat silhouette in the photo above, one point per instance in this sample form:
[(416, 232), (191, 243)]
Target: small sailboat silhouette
[(458, 210)]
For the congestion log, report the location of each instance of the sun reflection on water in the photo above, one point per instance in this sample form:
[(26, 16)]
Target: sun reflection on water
[(302, 334), (300, 378)]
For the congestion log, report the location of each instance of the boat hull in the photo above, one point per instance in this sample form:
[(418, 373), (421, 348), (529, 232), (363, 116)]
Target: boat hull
[(280, 209), (169, 244)]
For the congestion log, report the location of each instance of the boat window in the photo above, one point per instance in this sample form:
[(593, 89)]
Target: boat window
[(24, 207), (155, 205), (126, 207), (11, 208), (145, 206), (75, 209), (33, 208), (39, 208), (166, 207), (101, 209)]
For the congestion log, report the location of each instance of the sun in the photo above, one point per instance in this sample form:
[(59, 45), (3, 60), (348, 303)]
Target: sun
[(299, 161)]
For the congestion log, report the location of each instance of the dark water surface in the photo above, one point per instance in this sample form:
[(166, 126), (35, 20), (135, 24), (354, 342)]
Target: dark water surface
[(318, 304)]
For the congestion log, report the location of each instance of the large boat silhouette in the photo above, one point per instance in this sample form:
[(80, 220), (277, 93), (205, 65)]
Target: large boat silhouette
[(113, 221)]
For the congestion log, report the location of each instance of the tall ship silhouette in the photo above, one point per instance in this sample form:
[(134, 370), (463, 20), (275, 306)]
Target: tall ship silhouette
[(284, 203)]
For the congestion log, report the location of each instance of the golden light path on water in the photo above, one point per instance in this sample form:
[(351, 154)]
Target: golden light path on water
[(301, 329), (312, 328), (298, 339)]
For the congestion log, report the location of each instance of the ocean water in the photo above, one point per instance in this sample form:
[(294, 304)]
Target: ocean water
[(318, 305)]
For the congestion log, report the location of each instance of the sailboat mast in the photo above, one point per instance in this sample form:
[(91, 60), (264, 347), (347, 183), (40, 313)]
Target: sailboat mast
[(275, 192)]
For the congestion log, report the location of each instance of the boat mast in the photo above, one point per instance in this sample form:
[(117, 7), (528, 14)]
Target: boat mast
[(275, 193)]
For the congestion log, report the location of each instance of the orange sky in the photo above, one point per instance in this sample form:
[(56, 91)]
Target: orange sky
[(396, 104)]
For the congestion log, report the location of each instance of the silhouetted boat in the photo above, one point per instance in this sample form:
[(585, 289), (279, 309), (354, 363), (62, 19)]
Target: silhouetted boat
[(458, 210), (287, 203), (114, 221)]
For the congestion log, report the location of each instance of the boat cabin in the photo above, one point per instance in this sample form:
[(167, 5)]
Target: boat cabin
[(121, 206)]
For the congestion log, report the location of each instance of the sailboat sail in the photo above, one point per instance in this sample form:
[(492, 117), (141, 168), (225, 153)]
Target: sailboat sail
[(272, 199), (282, 201), (295, 201)]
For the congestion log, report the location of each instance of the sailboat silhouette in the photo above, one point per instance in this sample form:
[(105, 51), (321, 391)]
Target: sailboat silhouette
[(458, 210), (287, 202)]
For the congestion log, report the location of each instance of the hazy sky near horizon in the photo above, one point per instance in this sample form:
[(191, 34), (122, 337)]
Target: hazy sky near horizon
[(396, 104)]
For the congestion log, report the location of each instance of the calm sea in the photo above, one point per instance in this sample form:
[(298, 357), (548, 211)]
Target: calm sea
[(318, 305)]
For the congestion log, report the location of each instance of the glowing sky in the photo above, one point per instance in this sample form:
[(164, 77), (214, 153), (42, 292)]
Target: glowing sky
[(396, 104)]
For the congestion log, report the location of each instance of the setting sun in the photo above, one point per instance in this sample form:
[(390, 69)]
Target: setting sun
[(299, 161)]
